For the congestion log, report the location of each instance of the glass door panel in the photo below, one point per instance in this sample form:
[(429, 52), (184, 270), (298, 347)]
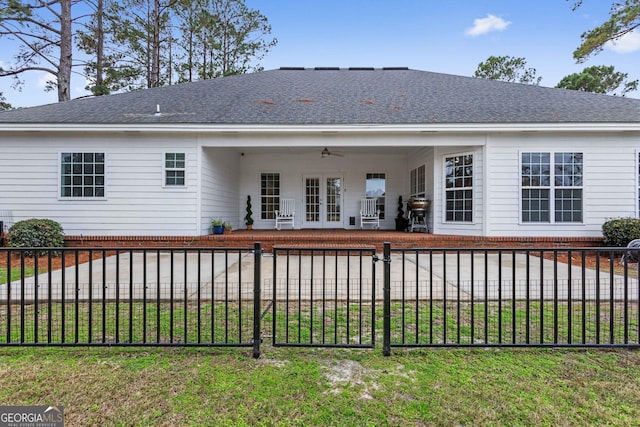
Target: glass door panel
[(333, 190), (322, 201), (312, 199)]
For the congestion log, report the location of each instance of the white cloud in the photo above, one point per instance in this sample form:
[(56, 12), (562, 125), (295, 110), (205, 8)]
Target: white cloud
[(630, 42), (43, 78), (486, 25)]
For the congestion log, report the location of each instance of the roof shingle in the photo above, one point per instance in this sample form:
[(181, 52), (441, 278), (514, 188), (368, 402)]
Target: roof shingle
[(343, 96)]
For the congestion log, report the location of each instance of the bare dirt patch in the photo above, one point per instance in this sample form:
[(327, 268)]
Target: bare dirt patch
[(348, 373)]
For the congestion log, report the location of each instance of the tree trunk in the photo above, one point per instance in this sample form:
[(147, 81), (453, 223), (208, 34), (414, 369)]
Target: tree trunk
[(155, 46), (100, 46), (66, 49)]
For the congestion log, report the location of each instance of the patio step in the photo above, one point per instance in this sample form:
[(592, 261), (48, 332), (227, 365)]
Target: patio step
[(329, 239)]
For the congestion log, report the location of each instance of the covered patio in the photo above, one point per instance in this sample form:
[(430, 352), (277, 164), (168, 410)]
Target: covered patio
[(326, 179)]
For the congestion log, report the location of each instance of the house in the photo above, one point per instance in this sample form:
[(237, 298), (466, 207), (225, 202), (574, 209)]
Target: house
[(494, 158)]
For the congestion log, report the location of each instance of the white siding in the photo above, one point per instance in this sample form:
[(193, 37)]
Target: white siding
[(220, 196), (222, 170), (136, 202), (610, 186)]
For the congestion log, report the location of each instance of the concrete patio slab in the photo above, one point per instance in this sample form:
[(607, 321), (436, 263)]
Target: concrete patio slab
[(133, 275)]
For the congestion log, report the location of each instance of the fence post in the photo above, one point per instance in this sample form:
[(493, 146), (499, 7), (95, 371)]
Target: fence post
[(257, 283), (386, 311)]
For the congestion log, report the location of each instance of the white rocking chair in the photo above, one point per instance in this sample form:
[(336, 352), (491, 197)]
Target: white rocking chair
[(369, 213), (286, 214)]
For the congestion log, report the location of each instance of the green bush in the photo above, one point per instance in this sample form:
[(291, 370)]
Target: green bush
[(619, 232), (36, 233)]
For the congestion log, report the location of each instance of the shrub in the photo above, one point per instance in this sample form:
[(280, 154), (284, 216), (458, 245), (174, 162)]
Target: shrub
[(620, 231), (36, 233)]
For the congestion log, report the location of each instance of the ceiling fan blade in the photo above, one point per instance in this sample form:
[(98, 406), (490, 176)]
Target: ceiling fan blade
[(326, 153)]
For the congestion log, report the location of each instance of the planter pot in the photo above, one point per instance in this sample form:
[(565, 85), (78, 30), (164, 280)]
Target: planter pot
[(218, 229), (249, 226), (402, 224)]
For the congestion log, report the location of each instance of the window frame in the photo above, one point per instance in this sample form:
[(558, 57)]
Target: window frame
[(72, 175), (554, 189), (464, 188), (166, 169)]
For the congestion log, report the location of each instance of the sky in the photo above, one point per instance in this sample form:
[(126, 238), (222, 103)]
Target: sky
[(446, 36)]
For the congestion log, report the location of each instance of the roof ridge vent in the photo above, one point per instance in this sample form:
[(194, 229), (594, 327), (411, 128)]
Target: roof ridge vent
[(361, 68), (292, 68), (326, 68), (395, 68)]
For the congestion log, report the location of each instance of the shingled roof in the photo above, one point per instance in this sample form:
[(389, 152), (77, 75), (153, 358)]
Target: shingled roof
[(338, 96)]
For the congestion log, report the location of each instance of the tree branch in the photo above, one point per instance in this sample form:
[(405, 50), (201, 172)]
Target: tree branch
[(32, 21), (35, 49), (6, 73)]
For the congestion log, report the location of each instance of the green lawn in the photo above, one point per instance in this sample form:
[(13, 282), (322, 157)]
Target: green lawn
[(318, 387), (15, 274)]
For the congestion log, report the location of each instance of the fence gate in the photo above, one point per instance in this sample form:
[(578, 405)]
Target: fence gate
[(323, 297)]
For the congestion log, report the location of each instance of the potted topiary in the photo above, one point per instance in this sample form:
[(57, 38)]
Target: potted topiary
[(248, 218), (401, 221), (217, 225)]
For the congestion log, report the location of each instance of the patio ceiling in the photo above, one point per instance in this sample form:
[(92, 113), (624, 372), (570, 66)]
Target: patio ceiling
[(346, 151)]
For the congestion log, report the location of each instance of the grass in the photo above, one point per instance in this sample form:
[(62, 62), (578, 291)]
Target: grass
[(16, 274), (326, 387), (422, 323), (322, 387), (311, 387), (126, 322)]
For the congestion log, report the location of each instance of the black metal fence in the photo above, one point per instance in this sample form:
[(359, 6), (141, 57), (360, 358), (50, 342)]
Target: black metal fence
[(130, 297), (330, 297), (510, 297)]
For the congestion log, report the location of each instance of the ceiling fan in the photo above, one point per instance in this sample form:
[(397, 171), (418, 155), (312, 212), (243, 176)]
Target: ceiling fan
[(327, 153)]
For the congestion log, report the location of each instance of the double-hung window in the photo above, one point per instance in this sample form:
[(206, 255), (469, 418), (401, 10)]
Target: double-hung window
[(459, 188), (551, 183), (418, 184), (82, 175), (174, 169), (269, 195)]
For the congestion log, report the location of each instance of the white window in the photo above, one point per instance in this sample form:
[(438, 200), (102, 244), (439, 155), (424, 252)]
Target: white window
[(418, 184), (459, 188), (174, 169), (375, 187), (269, 195), (82, 175), (551, 182)]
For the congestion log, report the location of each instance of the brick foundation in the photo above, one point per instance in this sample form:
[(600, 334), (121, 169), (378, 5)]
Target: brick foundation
[(330, 238)]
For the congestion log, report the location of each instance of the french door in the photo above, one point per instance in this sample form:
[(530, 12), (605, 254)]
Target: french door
[(322, 201)]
